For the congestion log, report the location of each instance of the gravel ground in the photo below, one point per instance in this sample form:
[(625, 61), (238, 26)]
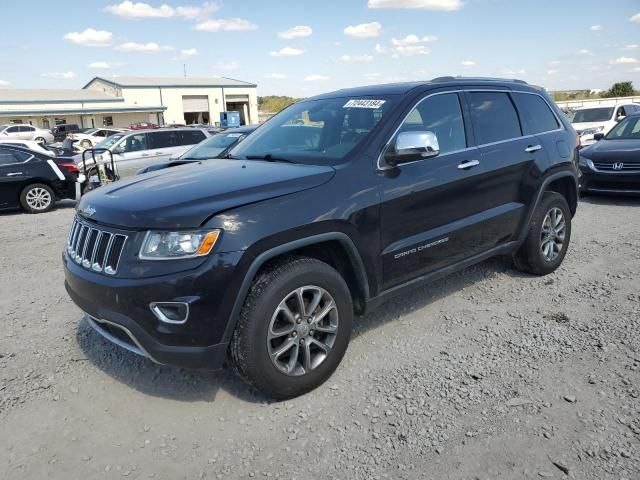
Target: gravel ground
[(487, 374)]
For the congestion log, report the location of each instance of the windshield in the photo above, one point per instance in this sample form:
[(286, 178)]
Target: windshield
[(602, 114), (316, 131), (89, 131), (627, 129), (3, 128), (109, 141), (212, 147)]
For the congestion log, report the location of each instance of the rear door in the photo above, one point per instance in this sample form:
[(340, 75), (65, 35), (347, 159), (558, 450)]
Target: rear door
[(12, 132), (162, 145), (27, 132), (513, 163), (132, 154), (432, 208)]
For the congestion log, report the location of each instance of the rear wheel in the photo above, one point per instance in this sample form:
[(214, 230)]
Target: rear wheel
[(40, 140), (37, 198), (86, 144), (294, 327), (548, 238)]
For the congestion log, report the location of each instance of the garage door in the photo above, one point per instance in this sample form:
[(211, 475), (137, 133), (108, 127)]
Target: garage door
[(195, 103)]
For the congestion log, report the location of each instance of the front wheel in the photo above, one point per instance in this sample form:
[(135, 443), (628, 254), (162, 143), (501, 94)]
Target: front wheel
[(86, 144), (294, 327), (37, 198), (39, 140), (548, 238)]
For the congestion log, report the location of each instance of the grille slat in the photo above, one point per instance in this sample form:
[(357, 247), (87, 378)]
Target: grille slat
[(94, 248), (626, 167)]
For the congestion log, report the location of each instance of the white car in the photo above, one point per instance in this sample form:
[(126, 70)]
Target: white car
[(93, 136), (25, 132), (600, 119), (30, 144)]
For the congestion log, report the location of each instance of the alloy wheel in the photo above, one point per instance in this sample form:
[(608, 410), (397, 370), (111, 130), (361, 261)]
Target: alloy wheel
[(38, 198), (552, 235)]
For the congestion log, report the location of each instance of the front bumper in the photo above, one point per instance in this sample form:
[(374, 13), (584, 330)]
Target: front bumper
[(593, 181), (118, 309)]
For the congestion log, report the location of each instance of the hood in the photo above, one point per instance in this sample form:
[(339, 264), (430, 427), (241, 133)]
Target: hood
[(186, 197), (610, 151)]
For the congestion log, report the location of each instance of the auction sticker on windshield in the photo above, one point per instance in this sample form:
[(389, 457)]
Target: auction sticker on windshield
[(375, 104)]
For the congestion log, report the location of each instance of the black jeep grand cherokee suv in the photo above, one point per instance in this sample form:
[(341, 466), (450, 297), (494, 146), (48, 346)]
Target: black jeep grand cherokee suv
[(335, 204)]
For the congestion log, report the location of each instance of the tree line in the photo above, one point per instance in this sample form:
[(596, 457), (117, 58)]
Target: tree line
[(620, 89)]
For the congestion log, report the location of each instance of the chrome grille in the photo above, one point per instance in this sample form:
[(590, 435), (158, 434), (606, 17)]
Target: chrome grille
[(95, 249), (626, 167)]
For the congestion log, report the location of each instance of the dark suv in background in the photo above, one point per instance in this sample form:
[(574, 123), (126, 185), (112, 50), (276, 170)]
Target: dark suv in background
[(60, 132), (330, 208)]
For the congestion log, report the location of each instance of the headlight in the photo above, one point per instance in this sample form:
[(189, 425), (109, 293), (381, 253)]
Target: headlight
[(592, 131), (177, 245), (585, 162)]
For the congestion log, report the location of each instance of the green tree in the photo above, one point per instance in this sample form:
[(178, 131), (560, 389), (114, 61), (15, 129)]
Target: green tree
[(274, 103), (620, 89)]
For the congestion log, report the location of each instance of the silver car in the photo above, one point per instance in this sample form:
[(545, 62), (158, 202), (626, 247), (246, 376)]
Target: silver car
[(140, 148), (25, 132)]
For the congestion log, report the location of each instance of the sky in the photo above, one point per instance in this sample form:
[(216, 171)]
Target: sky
[(304, 47)]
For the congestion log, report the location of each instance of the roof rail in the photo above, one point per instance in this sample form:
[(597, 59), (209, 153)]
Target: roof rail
[(483, 79)]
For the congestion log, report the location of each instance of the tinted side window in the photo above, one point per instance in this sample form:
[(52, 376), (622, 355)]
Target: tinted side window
[(494, 117), (188, 137), (27, 129), (535, 114), (135, 143), (13, 129), (442, 115), (8, 157), (162, 139)]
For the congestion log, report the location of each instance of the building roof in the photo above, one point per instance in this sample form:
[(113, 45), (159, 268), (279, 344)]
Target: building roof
[(10, 95), (80, 111), (137, 82)]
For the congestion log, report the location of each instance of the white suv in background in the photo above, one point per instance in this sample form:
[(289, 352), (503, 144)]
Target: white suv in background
[(25, 132), (94, 136), (599, 119)]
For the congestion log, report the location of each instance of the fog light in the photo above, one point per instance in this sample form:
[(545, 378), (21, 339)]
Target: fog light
[(170, 312)]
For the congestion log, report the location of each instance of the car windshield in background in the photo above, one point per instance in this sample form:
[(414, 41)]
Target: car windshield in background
[(90, 130), (628, 129), (592, 115), (213, 146), (316, 131), (109, 141)]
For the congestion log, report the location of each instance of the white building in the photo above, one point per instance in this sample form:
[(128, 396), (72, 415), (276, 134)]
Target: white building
[(120, 101)]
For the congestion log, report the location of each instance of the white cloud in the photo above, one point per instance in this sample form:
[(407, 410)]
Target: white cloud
[(226, 67), (276, 76), (624, 60), (446, 5), (631, 47), (4, 83), (192, 13), (371, 76), (412, 40), (596, 28), (225, 25), (364, 30), (635, 18), (90, 38), (140, 10), (584, 51), (634, 70), (355, 58), (150, 47), (298, 31), (552, 72), (103, 65), (287, 52), (188, 52), (315, 78), (61, 75), (510, 73), (468, 63)]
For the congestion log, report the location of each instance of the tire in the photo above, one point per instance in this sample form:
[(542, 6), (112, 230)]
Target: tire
[(86, 144), (40, 140), (543, 251), (274, 290), (37, 198)]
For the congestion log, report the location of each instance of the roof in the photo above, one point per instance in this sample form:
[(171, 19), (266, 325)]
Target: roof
[(139, 82), (10, 95), (80, 111)]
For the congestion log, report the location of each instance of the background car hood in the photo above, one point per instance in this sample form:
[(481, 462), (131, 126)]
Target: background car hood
[(613, 151), (585, 125), (186, 197)]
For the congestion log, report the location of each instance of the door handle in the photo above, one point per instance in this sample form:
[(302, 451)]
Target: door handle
[(468, 164), (533, 148), (13, 174)]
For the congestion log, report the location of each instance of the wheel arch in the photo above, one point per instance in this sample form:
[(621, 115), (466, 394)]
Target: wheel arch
[(333, 248)]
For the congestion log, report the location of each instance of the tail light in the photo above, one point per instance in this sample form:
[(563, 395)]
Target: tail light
[(70, 167)]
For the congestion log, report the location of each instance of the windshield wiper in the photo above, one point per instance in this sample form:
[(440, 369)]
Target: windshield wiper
[(268, 157)]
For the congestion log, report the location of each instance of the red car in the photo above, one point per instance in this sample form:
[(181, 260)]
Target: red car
[(142, 126)]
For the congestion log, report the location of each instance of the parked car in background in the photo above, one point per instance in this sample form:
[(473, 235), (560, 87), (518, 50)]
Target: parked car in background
[(26, 132), (216, 146), (335, 205), (92, 136), (31, 145), (33, 180), (142, 126), (591, 120), (61, 131), (138, 149), (612, 164)]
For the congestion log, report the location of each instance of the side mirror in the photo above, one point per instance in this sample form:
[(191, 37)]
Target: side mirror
[(412, 146), (620, 118), (598, 136), (118, 149)]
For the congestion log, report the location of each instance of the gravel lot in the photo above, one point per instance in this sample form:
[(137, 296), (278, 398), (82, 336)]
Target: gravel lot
[(487, 374)]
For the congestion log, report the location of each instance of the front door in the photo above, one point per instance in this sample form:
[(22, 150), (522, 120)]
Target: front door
[(432, 208), (131, 154), (13, 172)]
